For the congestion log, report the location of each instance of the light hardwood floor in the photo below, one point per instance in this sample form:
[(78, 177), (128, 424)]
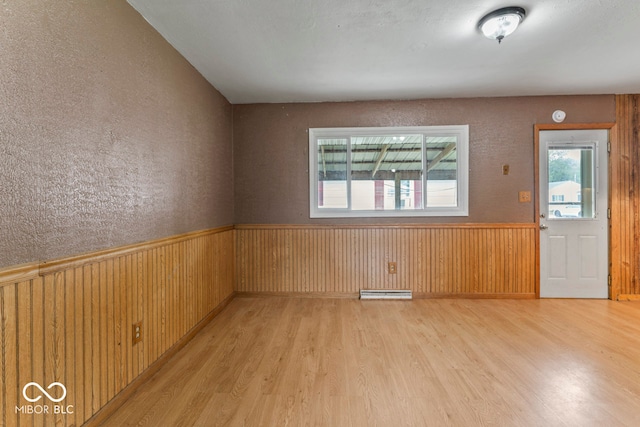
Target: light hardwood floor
[(342, 362)]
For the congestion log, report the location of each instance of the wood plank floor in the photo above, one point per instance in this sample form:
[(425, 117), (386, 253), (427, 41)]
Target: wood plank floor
[(345, 362)]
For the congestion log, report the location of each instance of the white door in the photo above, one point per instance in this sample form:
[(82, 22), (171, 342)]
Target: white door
[(574, 249)]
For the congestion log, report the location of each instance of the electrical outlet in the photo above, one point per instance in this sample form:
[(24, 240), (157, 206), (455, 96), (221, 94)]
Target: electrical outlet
[(505, 169), (136, 333), (524, 196), (392, 268)]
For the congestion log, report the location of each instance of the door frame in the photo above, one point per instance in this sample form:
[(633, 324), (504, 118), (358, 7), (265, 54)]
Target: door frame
[(536, 185)]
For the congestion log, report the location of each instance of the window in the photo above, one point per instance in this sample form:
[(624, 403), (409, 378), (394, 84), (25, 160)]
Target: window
[(571, 170), (383, 172)]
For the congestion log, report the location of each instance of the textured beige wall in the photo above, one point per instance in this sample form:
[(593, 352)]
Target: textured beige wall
[(271, 150), (107, 135)]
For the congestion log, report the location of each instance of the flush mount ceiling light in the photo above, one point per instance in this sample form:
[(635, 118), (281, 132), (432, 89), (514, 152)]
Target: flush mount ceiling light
[(502, 22)]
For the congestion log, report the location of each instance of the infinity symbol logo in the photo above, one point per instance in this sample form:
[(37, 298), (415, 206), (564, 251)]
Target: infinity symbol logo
[(39, 387)]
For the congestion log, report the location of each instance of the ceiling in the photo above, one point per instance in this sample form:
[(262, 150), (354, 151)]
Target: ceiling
[(256, 51)]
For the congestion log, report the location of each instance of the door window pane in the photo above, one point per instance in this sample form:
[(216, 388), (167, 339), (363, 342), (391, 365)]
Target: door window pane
[(571, 182)]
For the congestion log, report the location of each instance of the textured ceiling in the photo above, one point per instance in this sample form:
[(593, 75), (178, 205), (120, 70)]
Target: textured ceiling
[(336, 50)]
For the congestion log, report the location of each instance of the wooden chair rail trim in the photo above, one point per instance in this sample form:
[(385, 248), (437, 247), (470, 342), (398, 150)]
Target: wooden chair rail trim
[(19, 273), (492, 226), (29, 271), (32, 270), (49, 267)]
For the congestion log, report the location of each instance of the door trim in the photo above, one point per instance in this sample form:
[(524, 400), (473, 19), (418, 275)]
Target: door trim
[(536, 183)]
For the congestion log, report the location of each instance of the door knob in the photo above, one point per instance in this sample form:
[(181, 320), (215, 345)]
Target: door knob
[(543, 227)]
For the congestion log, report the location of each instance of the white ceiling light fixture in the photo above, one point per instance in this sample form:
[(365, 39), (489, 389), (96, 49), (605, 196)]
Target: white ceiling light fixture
[(502, 22)]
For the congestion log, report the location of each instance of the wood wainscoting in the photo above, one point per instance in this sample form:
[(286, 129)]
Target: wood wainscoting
[(625, 199), (70, 320), (433, 260)]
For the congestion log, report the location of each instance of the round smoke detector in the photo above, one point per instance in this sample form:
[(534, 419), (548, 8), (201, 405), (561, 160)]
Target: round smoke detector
[(558, 116)]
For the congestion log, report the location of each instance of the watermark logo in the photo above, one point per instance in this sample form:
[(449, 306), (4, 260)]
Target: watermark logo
[(39, 387), (33, 392)]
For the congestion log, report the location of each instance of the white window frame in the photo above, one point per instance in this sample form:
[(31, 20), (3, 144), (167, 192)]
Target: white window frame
[(462, 163)]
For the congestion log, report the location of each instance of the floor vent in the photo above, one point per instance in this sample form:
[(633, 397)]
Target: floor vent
[(385, 294)]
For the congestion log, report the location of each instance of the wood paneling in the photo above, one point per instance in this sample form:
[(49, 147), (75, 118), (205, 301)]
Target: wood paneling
[(71, 320), (432, 260), (625, 203)]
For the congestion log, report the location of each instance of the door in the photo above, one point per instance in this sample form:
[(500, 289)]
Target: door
[(574, 248)]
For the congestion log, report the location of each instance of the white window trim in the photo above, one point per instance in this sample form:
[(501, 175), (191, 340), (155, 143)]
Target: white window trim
[(460, 131)]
